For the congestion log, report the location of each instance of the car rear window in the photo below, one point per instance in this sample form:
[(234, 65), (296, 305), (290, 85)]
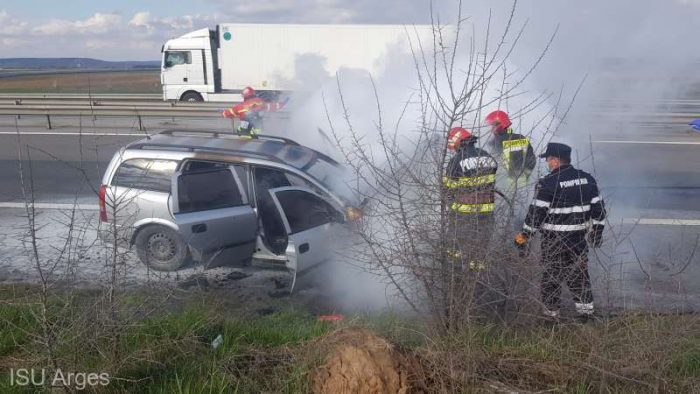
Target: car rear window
[(145, 174)]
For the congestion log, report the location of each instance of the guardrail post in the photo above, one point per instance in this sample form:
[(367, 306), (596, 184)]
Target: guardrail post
[(48, 121), (18, 102), (140, 123)]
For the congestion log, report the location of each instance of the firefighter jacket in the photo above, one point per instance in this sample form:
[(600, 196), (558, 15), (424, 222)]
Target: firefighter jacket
[(470, 180), (566, 206), (516, 152), (251, 108)]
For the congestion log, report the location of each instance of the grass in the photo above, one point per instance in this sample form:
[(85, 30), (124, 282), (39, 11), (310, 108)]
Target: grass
[(132, 82), (170, 350), (634, 353)]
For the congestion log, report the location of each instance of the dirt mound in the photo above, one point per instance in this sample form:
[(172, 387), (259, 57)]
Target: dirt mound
[(359, 361)]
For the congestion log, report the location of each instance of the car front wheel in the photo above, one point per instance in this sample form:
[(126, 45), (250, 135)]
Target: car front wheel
[(161, 248)]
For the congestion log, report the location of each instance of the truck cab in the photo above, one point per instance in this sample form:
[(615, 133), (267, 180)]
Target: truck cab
[(188, 66)]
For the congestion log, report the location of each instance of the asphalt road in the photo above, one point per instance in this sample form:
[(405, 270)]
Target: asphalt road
[(650, 180)]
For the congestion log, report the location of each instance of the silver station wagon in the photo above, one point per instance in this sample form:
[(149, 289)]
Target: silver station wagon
[(217, 198)]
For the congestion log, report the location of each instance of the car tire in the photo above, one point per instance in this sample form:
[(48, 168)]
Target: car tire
[(191, 97), (161, 248)]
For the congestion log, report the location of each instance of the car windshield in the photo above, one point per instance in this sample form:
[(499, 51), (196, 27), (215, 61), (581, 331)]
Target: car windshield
[(319, 166), (333, 176)]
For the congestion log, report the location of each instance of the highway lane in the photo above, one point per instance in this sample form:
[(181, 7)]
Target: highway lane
[(654, 262)]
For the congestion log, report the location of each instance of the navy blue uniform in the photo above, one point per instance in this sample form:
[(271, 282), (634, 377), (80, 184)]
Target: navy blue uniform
[(567, 207)]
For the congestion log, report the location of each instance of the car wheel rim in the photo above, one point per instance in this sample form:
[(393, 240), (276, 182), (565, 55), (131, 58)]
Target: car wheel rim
[(161, 247)]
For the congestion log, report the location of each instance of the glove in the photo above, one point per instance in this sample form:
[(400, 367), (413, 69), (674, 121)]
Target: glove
[(226, 113), (521, 240), (595, 238)]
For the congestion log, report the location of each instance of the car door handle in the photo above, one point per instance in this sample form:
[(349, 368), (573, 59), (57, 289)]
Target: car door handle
[(199, 228), (184, 79), (303, 248)]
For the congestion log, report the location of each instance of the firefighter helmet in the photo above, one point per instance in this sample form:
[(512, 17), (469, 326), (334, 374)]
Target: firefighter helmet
[(456, 136), (499, 121), (248, 92)]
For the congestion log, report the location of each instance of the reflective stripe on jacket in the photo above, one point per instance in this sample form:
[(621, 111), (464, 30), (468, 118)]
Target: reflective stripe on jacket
[(567, 201), (470, 180), (517, 154)]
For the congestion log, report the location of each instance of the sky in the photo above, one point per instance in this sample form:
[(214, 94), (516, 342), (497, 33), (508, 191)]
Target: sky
[(135, 30)]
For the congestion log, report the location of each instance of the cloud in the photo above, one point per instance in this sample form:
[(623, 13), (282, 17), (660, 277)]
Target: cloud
[(10, 25), (141, 19), (98, 23), (170, 25), (325, 11)]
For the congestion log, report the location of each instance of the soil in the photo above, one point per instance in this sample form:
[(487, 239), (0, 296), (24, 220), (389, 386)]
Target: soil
[(97, 82), (359, 361)]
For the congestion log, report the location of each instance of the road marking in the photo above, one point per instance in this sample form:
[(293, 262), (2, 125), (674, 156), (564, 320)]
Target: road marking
[(650, 142), (661, 222), (44, 205), (72, 133)]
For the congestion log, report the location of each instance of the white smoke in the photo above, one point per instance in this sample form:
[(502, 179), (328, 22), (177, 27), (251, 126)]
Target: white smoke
[(625, 50)]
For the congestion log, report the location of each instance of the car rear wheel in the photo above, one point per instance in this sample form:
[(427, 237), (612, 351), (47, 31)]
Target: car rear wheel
[(161, 248)]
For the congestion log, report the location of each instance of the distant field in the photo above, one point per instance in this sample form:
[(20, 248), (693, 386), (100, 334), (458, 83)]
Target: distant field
[(95, 82)]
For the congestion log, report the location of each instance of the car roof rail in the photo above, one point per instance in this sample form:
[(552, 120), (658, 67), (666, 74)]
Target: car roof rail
[(227, 134), (198, 148)]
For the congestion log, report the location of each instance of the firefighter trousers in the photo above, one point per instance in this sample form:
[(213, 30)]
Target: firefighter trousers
[(479, 264), (565, 259)]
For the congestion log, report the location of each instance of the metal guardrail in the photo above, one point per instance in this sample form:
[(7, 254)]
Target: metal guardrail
[(151, 105), (151, 110)]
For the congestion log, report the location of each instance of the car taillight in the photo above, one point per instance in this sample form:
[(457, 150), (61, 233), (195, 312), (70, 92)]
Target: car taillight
[(103, 203)]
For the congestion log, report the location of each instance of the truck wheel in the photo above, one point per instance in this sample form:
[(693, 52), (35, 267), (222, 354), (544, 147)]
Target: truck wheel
[(161, 248), (191, 97)]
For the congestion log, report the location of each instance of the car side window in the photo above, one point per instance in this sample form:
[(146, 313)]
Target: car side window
[(241, 170), (207, 189), (145, 174), (305, 210), (298, 181), (195, 165), (269, 178)]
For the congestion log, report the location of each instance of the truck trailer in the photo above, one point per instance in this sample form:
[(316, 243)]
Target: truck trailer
[(215, 65)]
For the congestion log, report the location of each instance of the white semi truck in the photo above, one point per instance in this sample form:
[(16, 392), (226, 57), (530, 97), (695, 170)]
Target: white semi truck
[(215, 65)]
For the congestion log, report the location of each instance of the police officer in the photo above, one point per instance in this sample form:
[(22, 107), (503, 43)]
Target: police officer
[(470, 183), (515, 150), (569, 213)]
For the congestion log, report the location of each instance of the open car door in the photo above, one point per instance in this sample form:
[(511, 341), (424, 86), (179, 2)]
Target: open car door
[(214, 216), (311, 223)]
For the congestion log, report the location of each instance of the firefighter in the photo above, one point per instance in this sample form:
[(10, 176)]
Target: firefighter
[(469, 181), (569, 213), (515, 150), (249, 112)]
